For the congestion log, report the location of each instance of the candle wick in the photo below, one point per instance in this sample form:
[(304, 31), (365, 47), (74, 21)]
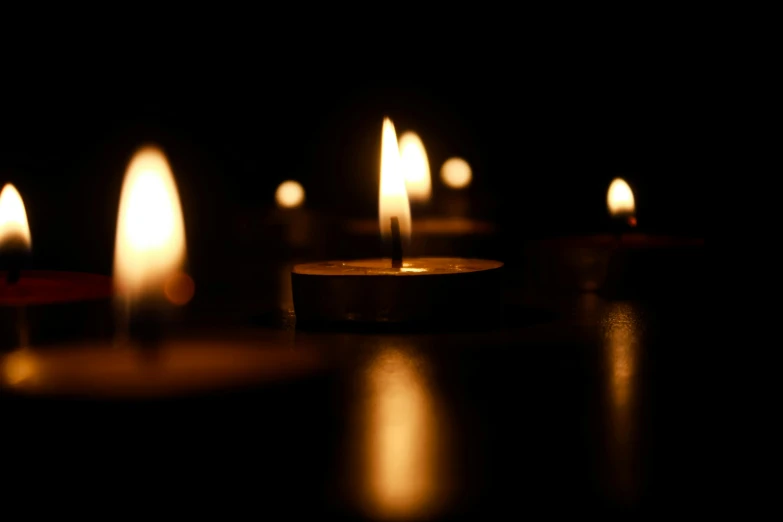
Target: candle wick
[(396, 243)]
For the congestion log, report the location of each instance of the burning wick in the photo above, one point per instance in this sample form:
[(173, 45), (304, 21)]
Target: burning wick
[(396, 243)]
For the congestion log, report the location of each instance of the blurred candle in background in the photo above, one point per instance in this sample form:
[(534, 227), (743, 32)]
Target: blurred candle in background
[(14, 230), (442, 222), (150, 248), (456, 176), (621, 203), (290, 198), (294, 220), (416, 169)]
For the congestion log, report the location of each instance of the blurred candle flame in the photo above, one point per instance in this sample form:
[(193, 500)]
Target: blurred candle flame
[(456, 173), (393, 197), (290, 194), (150, 246), (620, 199), (13, 219), (415, 167)]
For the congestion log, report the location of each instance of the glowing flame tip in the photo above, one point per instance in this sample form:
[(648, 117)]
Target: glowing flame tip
[(14, 229), (150, 244), (619, 198)]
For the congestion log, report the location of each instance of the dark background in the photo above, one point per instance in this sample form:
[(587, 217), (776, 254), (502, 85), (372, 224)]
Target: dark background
[(546, 119), (545, 126)]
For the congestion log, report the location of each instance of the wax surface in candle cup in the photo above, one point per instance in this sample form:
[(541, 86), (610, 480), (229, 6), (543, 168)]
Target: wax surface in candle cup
[(423, 290)]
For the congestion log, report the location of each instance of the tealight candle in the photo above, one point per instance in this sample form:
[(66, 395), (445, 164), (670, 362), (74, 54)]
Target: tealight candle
[(449, 228), (44, 299), (395, 289), (620, 262), (145, 360)]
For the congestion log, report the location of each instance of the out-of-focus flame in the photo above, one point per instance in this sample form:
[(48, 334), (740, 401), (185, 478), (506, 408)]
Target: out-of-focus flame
[(456, 173), (14, 229), (150, 246), (290, 194), (619, 199), (401, 472), (415, 167), (393, 197)]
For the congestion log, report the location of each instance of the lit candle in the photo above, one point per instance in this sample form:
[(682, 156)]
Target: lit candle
[(395, 289), (149, 280), (39, 302), (616, 263), (442, 228)]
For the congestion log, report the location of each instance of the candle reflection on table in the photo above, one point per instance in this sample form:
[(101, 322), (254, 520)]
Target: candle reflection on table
[(621, 329), (402, 438)]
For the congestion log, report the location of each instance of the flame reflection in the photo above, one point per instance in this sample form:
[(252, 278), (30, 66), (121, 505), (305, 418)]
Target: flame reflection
[(621, 342), (400, 451)]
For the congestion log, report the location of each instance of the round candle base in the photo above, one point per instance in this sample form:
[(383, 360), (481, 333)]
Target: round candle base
[(424, 290)]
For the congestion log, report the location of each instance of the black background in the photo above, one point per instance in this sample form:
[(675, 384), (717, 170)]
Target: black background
[(545, 119)]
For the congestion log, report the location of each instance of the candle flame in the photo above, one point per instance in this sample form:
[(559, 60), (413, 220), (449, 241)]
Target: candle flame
[(14, 230), (393, 197), (415, 167), (620, 199), (456, 173), (290, 194), (150, 246)]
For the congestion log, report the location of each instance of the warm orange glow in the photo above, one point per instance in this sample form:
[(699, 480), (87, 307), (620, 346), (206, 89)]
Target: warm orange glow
[(456, 173), (150, 244), (13, 219), (402, 440), (290, 194), (621, 341), (393, 197), (179, 288), (619, 198), (622, 325), (415, 167), (19, 367)]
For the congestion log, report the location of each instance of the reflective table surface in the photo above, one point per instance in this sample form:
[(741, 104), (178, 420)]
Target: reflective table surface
[(569, 403)]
